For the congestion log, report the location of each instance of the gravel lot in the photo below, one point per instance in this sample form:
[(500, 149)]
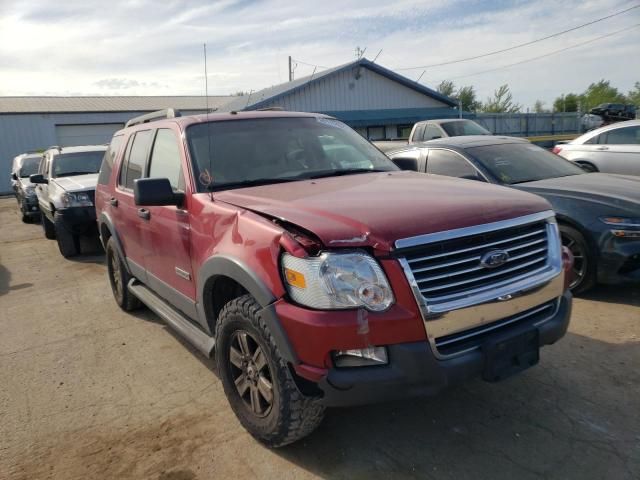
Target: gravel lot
[(88, 391)]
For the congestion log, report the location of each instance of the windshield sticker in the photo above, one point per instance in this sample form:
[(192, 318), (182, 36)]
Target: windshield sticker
[(332, 123)]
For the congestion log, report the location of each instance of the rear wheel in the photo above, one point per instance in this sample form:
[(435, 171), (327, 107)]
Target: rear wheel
[(257, 380), (119, 279), (48, 227), (584, 262)]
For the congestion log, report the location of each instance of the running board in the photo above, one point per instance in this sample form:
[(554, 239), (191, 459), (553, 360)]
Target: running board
[(174, 318)]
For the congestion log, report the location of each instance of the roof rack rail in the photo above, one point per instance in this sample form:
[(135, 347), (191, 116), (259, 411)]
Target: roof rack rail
[(56, 147), (150, 117)]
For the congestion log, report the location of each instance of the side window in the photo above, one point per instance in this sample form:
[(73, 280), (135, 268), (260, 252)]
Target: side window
[(417, 136), (134, 164), (623, 136), (165, 159), (431, 132), (445, 162), (107, 161)]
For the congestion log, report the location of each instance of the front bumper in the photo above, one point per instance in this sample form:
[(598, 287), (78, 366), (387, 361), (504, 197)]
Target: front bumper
[(619, 259), (29, 206), (414, 370), (77, 220)]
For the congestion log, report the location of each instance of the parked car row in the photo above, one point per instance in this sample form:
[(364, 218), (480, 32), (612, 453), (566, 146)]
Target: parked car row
[(58, 188), (317, 272)]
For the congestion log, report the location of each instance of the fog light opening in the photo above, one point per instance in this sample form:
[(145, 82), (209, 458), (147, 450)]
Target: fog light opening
[(362, 357)]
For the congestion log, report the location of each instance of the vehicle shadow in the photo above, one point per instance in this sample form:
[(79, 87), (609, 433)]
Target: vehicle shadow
[(570, 417), (621, 294)]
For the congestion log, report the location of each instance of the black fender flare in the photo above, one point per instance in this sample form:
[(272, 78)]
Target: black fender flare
[(105, 220), (230, 267)]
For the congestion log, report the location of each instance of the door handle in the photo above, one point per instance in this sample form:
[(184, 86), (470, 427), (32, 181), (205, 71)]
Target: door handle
[(144, 213), (602, 148), (113, 201)]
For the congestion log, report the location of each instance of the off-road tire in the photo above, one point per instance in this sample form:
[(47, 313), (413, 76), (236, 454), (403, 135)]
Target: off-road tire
[(68, 243), (589, 277), (119, 279), (48, 227), (292, 415)]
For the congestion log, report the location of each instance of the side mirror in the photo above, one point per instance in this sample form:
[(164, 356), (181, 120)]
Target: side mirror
[(155, 192), (406, 163), (14, 176), (38, 178)]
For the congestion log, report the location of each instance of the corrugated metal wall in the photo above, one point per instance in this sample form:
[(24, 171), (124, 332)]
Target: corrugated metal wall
[(20, 133), (344, 91)]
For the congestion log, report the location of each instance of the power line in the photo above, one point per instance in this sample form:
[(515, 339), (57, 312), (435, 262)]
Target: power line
[(548, 54), (522, 44), (309, 64)]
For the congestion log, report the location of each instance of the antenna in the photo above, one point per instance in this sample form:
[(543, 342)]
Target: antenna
[(418, 79), (376, 57), (206, 96)]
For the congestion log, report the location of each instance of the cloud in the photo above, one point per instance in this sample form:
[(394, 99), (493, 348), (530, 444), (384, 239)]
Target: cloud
[(155, 48)]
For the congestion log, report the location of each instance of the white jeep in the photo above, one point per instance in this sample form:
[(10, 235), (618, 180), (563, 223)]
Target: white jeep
[(66, 185)]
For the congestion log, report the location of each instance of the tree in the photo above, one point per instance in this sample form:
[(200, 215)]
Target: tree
[(467, 97), (446, 88), (600, 92), (538, 107), (567, 103), (634, 95), (502, 102)]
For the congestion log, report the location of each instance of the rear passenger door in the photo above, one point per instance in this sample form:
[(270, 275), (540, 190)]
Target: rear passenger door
[(127, 216), (166, 234), (620, 150)]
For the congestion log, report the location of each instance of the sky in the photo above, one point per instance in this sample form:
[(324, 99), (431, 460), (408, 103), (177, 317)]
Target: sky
[(146, 47)]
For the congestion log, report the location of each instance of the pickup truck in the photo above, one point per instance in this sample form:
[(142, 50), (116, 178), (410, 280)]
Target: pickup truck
[(65, 187), (315, 271), (433, 129)]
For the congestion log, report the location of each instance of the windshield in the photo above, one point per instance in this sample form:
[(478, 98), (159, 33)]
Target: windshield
[(271, 150), (522, 162), (459, 128), (29, 167), (67, 164)]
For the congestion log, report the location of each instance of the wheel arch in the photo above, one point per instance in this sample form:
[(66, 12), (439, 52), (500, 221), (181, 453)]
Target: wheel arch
[(222, 278), (107, 231)]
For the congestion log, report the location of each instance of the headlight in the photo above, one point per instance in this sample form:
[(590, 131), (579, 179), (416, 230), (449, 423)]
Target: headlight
[(621, 221), (30, 189), (80, 199), (337, 281)]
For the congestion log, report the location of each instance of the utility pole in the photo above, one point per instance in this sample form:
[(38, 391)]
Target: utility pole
[(290, 70)]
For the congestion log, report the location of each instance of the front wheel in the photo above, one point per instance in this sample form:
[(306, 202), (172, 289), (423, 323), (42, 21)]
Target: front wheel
[(257, 380), (584, 262), (587, 167), (48, 227)]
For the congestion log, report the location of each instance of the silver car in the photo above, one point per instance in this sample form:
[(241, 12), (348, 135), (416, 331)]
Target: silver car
[(611, 149)]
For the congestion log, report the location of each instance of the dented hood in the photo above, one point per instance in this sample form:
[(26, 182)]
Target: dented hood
[(376, 209)]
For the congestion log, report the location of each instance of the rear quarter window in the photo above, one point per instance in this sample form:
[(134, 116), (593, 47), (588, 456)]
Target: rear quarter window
[(108, 160)]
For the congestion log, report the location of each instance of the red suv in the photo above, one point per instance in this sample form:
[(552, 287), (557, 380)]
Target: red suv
[(319, 273)]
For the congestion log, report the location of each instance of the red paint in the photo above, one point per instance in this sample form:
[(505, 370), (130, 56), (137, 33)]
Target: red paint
[(255, 225)]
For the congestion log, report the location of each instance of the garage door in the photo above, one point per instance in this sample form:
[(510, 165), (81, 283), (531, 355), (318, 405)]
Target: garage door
[(93, 134)]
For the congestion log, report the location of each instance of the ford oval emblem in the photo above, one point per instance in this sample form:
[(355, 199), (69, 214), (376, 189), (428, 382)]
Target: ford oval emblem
[(494, 258)]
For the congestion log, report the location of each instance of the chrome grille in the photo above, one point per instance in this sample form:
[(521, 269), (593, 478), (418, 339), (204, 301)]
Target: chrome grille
[(451, 269)]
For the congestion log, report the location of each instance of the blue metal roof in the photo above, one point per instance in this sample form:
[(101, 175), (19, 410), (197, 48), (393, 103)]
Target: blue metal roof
[(263, 97)]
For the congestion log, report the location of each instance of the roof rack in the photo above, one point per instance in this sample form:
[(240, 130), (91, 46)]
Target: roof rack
[(270, 109), (56, 147), (150, 117)]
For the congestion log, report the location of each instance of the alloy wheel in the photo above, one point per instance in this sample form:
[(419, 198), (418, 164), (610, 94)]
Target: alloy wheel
[(251, 373)]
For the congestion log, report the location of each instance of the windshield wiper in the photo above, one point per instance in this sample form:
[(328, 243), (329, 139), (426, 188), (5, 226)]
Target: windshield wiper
[(67, 174), (249, 183), (346, 171)]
